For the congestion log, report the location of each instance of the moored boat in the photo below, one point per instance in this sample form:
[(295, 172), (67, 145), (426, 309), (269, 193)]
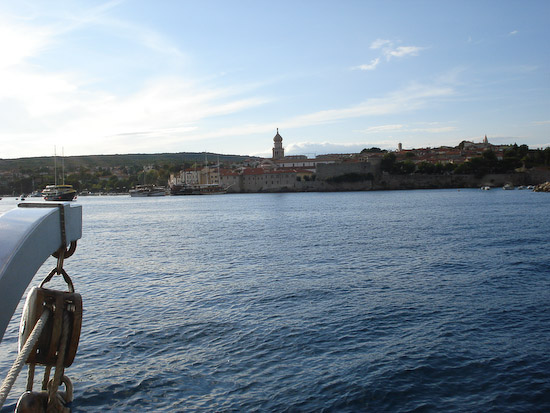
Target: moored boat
[(59, 193), (147, 191), (184, 189), (211, 189)]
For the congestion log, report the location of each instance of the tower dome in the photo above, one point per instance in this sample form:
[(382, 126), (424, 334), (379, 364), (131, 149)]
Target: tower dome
[(277, 138)]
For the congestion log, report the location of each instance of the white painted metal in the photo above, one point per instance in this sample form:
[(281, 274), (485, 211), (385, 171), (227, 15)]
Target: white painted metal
[(28, 236)]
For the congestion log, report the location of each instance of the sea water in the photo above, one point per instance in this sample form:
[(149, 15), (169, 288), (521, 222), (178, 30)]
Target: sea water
[(428, 300)]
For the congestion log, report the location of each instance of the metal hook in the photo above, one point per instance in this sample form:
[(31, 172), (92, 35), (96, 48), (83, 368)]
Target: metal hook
[(62, 272), (68, 252)]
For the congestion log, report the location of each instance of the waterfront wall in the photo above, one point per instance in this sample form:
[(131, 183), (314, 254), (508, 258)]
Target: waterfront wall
[(421, 181), (326, 180), (538, 176), (328, 171)]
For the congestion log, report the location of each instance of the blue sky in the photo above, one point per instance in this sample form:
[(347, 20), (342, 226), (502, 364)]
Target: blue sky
[(220, 76)]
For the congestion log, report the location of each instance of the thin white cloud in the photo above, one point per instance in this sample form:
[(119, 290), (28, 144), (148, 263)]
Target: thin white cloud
[(390, 50), (382, 128), (380, 43), (410, 98), (370, 66), (441, 129), (542, 122), (402, 51), (147, 38), (407, 129), (512, 33)]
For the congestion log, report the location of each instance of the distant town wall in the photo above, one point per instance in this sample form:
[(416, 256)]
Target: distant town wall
[(537, 176), (413, 181), (366, 176), (421, 181), (334, 170)]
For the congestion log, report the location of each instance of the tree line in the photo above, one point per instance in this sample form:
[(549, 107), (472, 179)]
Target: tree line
[(97, 180), (99, 173), (513, 158)]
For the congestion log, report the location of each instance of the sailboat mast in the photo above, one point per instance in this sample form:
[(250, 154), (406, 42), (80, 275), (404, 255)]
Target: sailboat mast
[(55, 165), (207, 169), (63, 164), (219, 177), (184, 174)]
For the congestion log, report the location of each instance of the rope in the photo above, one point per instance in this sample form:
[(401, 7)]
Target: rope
[(46, 378), (22, 357), (54, 404), (30, 377)]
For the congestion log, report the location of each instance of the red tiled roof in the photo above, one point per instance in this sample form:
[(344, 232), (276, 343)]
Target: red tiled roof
[(253, 171)]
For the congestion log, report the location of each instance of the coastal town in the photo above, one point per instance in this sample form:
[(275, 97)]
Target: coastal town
[(469, 164), (370, 169)]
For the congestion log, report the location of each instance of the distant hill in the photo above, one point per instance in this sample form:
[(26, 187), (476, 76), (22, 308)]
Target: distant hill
[(109, 161)]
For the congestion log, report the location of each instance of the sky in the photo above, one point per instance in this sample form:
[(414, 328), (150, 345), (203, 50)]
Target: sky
[(140, 76)]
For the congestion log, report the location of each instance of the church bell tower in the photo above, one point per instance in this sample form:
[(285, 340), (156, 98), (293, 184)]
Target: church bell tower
[(278, 150)]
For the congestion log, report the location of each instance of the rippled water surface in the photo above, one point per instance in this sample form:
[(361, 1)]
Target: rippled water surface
[(369, 301)]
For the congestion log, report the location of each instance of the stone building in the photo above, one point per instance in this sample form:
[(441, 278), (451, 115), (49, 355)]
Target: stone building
[(258, 180), (193, 176)]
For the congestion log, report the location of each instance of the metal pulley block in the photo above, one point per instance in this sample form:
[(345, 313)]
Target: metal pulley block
[(37, 402), (60, 303)]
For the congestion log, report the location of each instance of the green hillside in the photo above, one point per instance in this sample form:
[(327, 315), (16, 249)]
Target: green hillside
[(101, 173), (115, 161)]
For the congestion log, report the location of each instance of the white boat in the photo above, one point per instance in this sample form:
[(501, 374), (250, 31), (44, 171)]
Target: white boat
[(59, 193), (508, 187), (147, 191), (486, 188)]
